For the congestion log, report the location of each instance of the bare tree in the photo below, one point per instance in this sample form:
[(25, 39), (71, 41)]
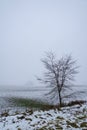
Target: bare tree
[(58, 73)]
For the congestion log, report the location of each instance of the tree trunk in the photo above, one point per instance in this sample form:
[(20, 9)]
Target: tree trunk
[(60, 99)]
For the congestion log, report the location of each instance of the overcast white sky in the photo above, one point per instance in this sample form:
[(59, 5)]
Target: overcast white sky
[(28, 28)]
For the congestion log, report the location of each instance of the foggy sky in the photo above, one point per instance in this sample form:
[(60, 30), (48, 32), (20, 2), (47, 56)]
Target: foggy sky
[(28, 28)]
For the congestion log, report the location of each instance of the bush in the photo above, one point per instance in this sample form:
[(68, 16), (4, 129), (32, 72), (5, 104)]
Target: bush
[(77, 102)]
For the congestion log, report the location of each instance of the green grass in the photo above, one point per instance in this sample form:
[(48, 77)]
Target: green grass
[(39, 105), (30, 103)]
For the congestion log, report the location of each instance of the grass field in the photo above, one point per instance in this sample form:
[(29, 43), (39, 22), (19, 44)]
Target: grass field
[(39, 105), (30, 103)]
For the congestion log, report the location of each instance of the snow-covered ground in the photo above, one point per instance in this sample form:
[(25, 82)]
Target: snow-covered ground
[(76, 93), (30, 93), (68, 118)]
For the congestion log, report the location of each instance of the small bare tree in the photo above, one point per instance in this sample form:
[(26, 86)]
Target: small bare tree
[(58, 73)]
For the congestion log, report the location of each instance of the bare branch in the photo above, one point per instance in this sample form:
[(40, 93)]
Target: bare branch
[(58, 73)]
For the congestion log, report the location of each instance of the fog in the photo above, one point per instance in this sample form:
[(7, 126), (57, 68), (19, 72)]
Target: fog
[(28, 28)]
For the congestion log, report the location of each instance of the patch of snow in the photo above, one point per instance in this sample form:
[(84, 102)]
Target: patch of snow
[(46, 119)]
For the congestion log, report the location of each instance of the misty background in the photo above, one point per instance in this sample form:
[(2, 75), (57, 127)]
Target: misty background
[(28, 28)]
